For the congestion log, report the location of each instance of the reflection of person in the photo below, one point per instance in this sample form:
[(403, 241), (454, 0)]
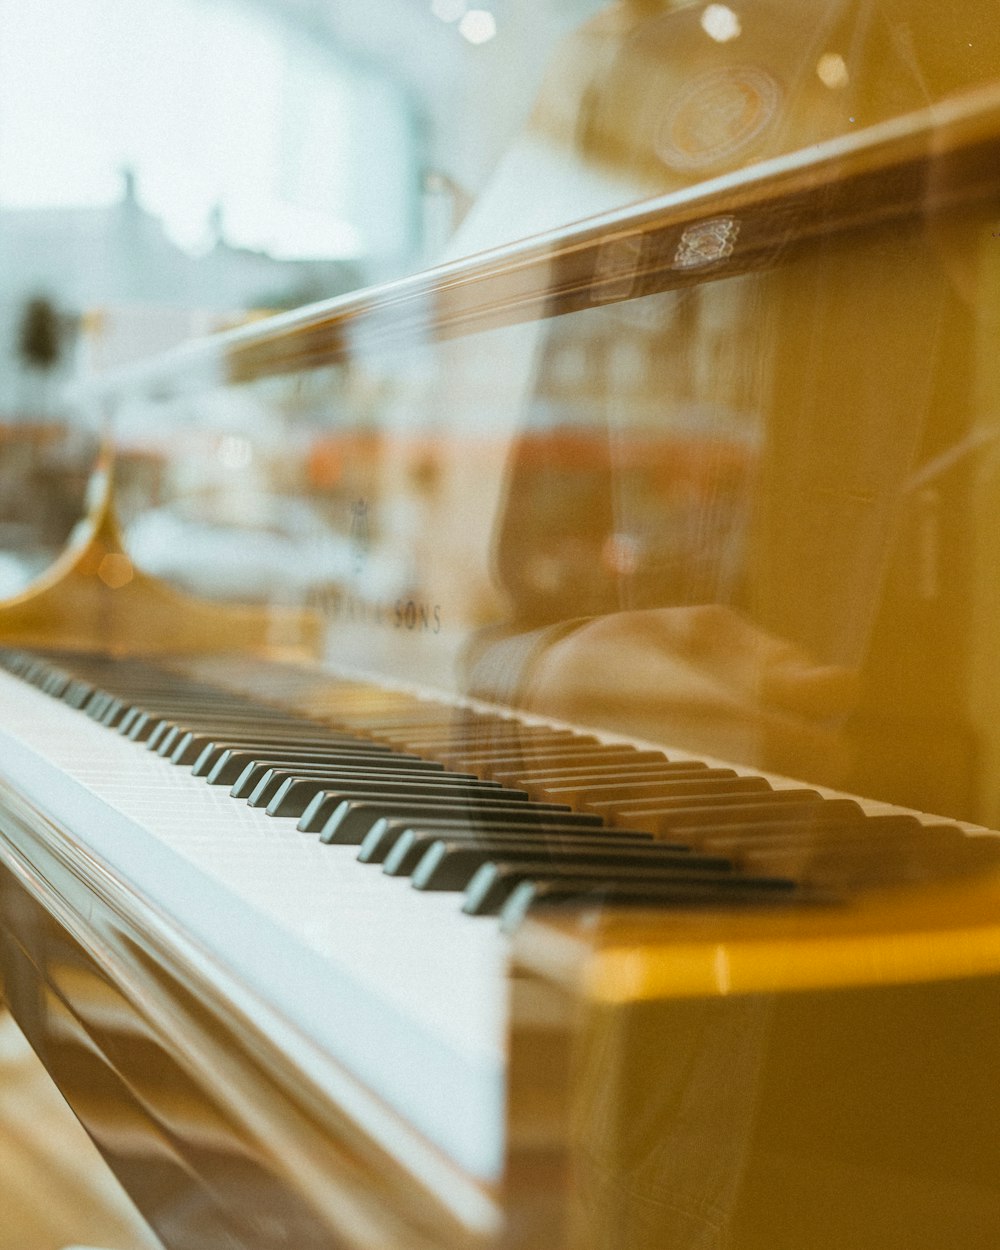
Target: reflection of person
[(841, 372), (829, 364)]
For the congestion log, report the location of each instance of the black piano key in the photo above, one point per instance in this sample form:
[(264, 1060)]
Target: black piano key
[(443, 743), (514, 738), (572, 771), (115, 713), (403, 854), (55, 683), (250, 778), (708, 782), (738, 837), (268, 779), (106, 710), (528, 754), (437, 863), (167, 736), (16, 661), (525, 763), (197, 712), (528, 764), (324, 805), (210, 746), (180, 742), (422, 715), (611, 807), (643, 889), (848, 836), (294, 794), (567, 786), (97, 702), (222, 764), (665, 820), (37, 671), (152, 727), (384, 834), (350, 821), (148, 716), (476, 730), (762, 805), (273, 777), (120, 709), (175, 705), (859, 863), (298, 789), (493, 882), (77, 693), (578, 762), (459, 729), (127, 719), (183, 700), (230, 763)]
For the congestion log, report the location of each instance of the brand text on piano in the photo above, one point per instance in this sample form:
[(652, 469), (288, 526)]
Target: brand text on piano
[(413, 614)]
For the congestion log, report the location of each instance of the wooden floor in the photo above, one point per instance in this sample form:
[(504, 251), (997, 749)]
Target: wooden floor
[(55, 1191)]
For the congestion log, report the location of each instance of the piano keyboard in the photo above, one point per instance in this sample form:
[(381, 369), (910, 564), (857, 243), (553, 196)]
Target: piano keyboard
[(369, 860)]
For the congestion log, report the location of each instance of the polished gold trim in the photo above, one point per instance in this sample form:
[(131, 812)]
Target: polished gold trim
[(94, 598), (942, 932)]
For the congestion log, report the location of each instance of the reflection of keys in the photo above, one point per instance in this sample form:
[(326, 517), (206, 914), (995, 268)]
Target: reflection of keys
[(420, 818), (240, 878)]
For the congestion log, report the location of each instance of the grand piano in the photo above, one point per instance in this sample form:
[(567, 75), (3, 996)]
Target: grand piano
[(508, 758)]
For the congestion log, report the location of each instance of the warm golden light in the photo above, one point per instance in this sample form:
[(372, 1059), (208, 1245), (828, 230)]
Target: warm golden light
[(720, 23), (832, 70), (115, 570)]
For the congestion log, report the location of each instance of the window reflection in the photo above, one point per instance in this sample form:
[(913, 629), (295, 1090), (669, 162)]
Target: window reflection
[(735, 515)]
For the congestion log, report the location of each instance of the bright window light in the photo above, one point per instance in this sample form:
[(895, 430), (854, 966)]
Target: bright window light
[(478, 26), (720, 23), (211, 106)]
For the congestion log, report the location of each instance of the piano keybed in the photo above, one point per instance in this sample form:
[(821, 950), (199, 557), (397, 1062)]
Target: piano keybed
[(374, 856), (511, 816)]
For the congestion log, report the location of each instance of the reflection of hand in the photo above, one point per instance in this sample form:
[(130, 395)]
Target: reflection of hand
[(705, 679)]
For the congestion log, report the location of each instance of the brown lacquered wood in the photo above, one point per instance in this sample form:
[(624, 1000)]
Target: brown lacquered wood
[(920, 164)]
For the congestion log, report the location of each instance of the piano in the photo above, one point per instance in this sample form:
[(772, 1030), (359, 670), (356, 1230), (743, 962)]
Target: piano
[(507, 759)]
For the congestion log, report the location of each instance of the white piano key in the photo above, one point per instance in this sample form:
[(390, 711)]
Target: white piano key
[(322, 938)]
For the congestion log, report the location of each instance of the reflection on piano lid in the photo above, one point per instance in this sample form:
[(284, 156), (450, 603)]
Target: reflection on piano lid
[(271, 926), (579, 890)]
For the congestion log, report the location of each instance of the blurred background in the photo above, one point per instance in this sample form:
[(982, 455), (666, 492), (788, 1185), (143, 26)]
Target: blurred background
[(171, 168), (811, 450)]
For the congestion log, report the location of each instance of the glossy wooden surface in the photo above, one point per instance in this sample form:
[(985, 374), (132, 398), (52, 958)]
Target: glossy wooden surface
[(215, 1130), (821, 1077), (918, 165)]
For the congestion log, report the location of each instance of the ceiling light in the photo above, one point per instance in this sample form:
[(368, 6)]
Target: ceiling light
[(720, 23), (478, 25)]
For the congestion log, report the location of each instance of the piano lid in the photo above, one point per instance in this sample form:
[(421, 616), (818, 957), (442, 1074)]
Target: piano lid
[(714, 469)]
